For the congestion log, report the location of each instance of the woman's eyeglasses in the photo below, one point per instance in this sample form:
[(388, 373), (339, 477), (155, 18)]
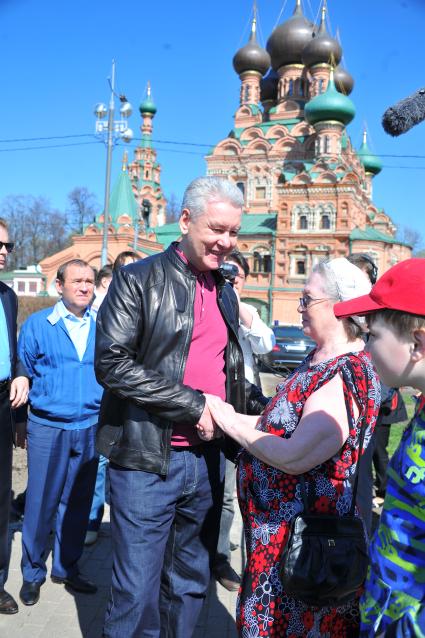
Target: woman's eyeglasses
[(305, 301), (9, 245)]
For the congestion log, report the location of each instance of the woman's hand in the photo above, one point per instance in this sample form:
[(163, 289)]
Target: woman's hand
[(223, 413)]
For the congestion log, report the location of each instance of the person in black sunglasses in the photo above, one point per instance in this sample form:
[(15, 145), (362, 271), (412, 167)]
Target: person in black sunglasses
[(13, 394)]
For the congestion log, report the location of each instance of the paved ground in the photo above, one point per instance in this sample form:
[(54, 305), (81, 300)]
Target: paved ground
[(62, 614)]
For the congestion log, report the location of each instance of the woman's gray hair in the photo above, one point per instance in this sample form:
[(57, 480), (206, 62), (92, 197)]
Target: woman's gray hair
[(347, 284), (330, 287), (203, 190)]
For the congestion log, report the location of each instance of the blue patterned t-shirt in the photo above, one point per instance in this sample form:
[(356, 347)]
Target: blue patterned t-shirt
[(394, 598)]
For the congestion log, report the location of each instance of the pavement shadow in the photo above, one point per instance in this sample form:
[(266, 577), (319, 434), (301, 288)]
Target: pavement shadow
[(215, 620), (96, 565)]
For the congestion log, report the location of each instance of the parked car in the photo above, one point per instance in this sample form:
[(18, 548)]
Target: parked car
[(292, 346)]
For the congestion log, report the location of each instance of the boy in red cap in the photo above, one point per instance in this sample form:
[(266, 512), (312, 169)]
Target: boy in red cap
[(393, 605)]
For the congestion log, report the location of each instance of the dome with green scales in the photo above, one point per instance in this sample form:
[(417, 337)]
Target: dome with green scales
[(330, 106), (372, 163)]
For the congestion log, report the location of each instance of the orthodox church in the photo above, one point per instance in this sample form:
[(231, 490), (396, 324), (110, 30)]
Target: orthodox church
[(307, 191)]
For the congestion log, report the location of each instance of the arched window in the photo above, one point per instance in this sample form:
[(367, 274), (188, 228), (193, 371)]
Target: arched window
[(246, 93), (302, 222), (241, 187), (291, 87), (325, 222), (300, 267), (320, 86), (301, 87), (146, 212), (327, 144), (262, 262)]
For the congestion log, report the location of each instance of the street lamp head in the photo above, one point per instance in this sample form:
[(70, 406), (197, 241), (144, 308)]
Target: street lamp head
[(126, 110), (127, 135), (100, 110)]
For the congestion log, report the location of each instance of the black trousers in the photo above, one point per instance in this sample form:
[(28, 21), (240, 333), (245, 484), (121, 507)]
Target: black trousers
[(380, 457), (6, 446)]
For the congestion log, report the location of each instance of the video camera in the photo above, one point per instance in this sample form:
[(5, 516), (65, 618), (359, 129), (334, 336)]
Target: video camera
[(229, 272)]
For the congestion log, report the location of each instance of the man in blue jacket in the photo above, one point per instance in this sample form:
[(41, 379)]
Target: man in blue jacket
[(57, 348), (13, 394)]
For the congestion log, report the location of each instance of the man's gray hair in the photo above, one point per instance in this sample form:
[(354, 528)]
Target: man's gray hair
[(204, 190)]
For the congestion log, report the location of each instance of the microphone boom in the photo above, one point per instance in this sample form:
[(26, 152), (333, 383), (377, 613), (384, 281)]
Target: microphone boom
[(401, 117)]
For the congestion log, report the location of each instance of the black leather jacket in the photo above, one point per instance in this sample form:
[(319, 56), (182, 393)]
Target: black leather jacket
[(144, 331)]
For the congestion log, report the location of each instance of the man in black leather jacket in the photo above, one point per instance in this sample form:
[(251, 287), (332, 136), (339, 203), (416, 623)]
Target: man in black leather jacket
[(166, 333)]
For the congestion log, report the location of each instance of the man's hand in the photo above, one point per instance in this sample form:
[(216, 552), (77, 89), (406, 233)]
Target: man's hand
[(21, 434), (206, 426), (19, 389)]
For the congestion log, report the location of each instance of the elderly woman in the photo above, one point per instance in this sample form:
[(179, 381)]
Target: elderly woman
[(311, 427)]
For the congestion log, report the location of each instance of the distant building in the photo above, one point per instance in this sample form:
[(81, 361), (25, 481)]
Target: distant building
[(28, 282), (307, 191)]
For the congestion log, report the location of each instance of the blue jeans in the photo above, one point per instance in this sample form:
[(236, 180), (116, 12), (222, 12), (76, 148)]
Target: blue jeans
[(164, 536), (98, 504)]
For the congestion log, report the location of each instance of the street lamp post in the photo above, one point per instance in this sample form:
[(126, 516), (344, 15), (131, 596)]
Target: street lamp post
[(110, 131)]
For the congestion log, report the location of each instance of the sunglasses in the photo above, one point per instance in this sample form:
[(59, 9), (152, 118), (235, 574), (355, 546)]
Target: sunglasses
[(9, 245)]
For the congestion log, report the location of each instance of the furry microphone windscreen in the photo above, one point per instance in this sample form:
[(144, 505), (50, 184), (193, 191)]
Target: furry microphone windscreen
[(401, 117)]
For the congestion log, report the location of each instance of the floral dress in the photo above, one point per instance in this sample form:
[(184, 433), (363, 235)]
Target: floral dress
[(269, 499)]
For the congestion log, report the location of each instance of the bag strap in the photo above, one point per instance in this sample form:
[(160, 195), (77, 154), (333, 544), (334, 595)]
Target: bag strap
[(306, 498), (361, 441)]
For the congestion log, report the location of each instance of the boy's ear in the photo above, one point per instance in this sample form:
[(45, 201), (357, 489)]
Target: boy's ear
[(418, 352)]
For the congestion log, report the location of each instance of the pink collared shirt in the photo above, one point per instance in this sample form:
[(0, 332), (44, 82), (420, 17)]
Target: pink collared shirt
[(205, 363)]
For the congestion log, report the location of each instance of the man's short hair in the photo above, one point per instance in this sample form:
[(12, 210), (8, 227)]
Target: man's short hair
[(366, 263), (239, 259), (403, 323), (105, 271), (204, 190), (60, 275), (3, 224), (121, 258)]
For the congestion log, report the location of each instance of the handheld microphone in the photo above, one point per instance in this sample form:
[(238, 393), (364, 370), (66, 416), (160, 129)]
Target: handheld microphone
[(401, 117)]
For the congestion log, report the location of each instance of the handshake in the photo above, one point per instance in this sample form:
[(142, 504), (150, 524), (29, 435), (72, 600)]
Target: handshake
[(214, 418)]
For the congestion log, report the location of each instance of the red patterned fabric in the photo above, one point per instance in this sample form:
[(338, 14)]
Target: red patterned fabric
[(269, 499)]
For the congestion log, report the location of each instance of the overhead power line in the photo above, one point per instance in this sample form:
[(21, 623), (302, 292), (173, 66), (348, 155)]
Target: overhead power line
[(95, 140)]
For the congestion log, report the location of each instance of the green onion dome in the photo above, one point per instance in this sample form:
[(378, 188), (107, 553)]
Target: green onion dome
[(330, 105), (343, 80), (251, 57), (372, 163), (322, 49), (148, 105), (288, 40)]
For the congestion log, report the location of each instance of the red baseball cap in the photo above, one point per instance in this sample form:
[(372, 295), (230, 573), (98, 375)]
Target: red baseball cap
[(402, 288)]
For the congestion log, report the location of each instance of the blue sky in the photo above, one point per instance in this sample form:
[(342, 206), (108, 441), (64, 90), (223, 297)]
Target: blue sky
[(56, 57)]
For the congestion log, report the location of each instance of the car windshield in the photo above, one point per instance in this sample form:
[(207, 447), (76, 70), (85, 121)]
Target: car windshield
[(290, 333)]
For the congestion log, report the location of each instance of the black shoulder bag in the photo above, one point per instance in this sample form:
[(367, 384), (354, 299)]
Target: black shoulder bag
[(325, 560)]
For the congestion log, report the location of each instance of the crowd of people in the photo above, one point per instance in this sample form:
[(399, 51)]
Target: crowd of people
[(147, 368)]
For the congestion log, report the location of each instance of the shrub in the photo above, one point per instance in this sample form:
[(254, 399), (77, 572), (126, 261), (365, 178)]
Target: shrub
[(28, 305)]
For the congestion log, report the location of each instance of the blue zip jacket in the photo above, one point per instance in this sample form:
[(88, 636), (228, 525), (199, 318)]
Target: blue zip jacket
[(64, 391)]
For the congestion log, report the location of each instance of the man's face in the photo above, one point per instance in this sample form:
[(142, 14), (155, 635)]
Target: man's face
[(4, 237), (77, 289), (207, 239), (240, 277)]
